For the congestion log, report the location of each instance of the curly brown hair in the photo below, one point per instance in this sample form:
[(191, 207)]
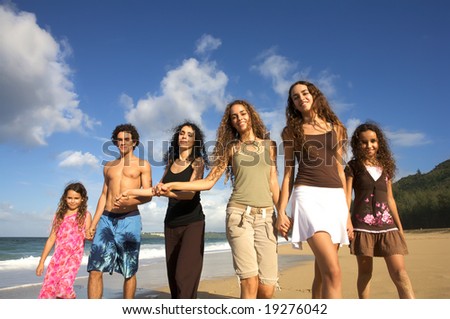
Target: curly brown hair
[(129, 128), (384, 154), (227, 136), (62, 206), (294, 118)]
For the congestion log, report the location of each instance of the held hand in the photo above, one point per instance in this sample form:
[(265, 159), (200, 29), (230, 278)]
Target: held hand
[(90, 233), (163, 189), (400, 230), (157, 189), (283, 225), (120, 200), (166, 187), (350, 233), (39, 270)]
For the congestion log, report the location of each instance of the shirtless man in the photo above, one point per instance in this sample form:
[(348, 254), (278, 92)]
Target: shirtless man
[(117, 229)]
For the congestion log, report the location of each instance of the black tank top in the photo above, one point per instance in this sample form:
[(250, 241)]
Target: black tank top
[(182, 212)]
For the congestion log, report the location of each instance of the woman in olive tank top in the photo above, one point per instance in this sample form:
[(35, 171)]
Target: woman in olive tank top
[(248, 157)]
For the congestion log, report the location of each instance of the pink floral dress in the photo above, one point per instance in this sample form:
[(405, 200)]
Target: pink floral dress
[(65, 262)]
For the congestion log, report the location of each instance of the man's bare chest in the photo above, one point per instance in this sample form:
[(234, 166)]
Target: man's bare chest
[(120, 172)]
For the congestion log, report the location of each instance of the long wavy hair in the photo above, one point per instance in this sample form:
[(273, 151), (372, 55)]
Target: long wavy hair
[(198, 150), (384, 155), (227, 136), (294, 119), (62, 206)]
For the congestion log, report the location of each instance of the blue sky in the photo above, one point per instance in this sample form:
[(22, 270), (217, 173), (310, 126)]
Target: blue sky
[(70, 71)]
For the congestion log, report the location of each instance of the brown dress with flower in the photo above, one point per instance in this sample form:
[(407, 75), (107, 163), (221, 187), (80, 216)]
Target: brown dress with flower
[(376, 233)]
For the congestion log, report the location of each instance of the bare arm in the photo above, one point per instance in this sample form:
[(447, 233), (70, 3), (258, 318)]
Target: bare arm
[(200, 184), (133, 195), (393, 206), (349, 190), (340, 157), (274, 185), (46, 251), (283, 221), (100, 207), (288, 176), (88, 222), (348, 195), (340, 166), (146, 184), (197, 174)]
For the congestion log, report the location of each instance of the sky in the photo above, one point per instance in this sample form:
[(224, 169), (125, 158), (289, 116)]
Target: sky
[(70, 71)]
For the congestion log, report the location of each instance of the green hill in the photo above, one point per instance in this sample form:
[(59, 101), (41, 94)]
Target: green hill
[(423, 200)]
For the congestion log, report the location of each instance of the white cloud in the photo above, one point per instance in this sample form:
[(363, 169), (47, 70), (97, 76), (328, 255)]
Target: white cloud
[(153, 214), (77, 159), (186, 93), (325, 82), (126, 101), (6, 211), (277, 68), (207, 43), (403, 138), (280, 70), (214, 203), (37, 96), (397, 138), (351, 126)]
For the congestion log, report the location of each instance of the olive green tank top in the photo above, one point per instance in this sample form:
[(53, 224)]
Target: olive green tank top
[(251, 169)]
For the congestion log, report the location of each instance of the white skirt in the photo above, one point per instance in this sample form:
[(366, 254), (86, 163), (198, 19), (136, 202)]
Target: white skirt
[(319, 209)]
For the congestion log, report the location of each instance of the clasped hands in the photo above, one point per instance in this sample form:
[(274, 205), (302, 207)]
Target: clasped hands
[(159, 190), (90, 233), (284, 224)]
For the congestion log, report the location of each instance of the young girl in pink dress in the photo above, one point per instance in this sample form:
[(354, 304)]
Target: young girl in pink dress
[(68, 233)]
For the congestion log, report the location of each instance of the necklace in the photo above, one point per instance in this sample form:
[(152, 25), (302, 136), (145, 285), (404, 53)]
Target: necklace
[(311, 121), (250, 147)]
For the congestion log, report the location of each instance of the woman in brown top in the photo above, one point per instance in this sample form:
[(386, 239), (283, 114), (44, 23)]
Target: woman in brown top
[(315, 137)]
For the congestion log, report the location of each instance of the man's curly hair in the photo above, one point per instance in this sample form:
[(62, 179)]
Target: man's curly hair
[(129, 128)]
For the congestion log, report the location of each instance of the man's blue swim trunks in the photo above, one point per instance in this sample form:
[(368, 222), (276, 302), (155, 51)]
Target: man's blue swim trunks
[(116, 243)]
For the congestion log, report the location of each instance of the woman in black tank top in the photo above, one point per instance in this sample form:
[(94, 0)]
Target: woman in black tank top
[(184, 223)]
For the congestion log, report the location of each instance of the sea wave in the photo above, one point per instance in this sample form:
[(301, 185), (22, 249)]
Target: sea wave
[(148, 253)]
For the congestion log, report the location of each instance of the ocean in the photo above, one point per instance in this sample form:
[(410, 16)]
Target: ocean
[(19, 257)]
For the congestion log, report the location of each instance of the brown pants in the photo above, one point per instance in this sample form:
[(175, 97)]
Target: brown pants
[(184, 258)]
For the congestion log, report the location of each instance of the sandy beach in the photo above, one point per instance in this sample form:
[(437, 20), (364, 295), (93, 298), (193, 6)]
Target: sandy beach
[(428, 265)]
